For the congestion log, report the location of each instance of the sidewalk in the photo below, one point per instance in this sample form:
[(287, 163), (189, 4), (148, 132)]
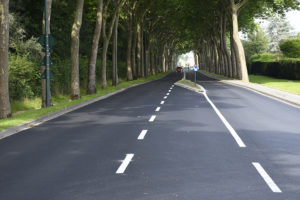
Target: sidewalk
[(283, 96)]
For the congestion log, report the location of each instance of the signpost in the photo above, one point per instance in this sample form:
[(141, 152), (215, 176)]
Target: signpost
[(47, 42), (195, 69), (185, 70)]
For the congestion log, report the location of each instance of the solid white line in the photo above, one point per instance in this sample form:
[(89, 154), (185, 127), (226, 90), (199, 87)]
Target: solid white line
[(124, 164), (267, 178), (157, 109), (225, 122), (165, 97), (162, 102), (142, 134), (168, 94), (152, 118)]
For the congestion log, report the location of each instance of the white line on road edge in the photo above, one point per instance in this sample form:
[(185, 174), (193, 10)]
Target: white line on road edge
[(165, 97), (267, 178), (228, 126), (157, 109), (162, 102), (152, 118), (142, 134), (124, 164)]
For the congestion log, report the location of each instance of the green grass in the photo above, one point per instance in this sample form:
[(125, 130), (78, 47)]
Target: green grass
[(189, 83), (28, 110), (281, 84)]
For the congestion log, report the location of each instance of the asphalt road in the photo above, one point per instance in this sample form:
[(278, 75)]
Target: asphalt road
[(146, 144)]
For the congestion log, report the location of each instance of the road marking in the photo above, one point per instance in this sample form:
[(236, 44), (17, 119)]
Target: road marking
[(162, 102), (142, 134), (168, 94), (170, 90), (152, 118), (124, 164), (266, 178), (225, 122), (157, 109), (165, 97)]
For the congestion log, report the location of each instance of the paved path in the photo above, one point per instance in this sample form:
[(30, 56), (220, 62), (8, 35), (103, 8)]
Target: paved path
[(159, 142)]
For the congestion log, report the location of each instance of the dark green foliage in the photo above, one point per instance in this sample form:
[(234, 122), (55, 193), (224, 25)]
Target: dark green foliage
[(291, 48)]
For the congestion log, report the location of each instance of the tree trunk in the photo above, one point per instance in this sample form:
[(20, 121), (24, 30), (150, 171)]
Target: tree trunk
[(43, 68), (4, 41), (143, 53), (104, 59), (92, 89), (241, 60), (75, 87), (106, 37), (133, 61), (115, 54), (233, 57), (139, 49), (129, 46)]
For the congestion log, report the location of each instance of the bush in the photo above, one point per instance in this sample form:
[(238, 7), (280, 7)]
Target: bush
[(283, 69), (291, 48), (24, 77)]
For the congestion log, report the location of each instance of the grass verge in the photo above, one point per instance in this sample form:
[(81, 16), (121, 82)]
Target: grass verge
[(281, 84), (190, 84), (30, 108)]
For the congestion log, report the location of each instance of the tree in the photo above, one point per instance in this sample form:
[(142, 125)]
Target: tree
[(4, 40), (92, 89), (279, 29), (107, 33), (75, 88), (257, 43)]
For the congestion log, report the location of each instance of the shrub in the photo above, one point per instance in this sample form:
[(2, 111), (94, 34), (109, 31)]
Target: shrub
[(291, 48), (24, 77)]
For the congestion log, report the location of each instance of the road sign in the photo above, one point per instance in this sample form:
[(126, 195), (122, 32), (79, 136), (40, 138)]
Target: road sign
[(44, 76), (42, 40), (195, 69), (185, 69), (44, 62)]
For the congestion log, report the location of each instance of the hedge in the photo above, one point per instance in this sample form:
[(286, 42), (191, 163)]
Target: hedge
[(287, 70)]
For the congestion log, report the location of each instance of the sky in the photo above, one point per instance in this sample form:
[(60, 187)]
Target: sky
[(293, 17)]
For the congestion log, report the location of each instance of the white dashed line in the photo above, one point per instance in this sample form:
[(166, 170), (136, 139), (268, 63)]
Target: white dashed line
[(152, 118), (165, 97), (168, 94), (266, 178), (124, 164), (225, 122), (157, 109), (170, 90), (142, 134), (162, 102)]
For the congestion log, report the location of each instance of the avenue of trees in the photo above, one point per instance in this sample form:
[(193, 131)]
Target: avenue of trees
[(140, 37)]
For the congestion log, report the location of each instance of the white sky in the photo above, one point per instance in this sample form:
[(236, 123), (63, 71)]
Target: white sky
[(293, 17)]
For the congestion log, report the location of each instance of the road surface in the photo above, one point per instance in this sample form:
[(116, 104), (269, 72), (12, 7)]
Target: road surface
[(160, 142)]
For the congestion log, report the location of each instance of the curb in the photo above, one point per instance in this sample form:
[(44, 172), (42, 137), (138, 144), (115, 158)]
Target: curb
[(16, 129), (282, 96)]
